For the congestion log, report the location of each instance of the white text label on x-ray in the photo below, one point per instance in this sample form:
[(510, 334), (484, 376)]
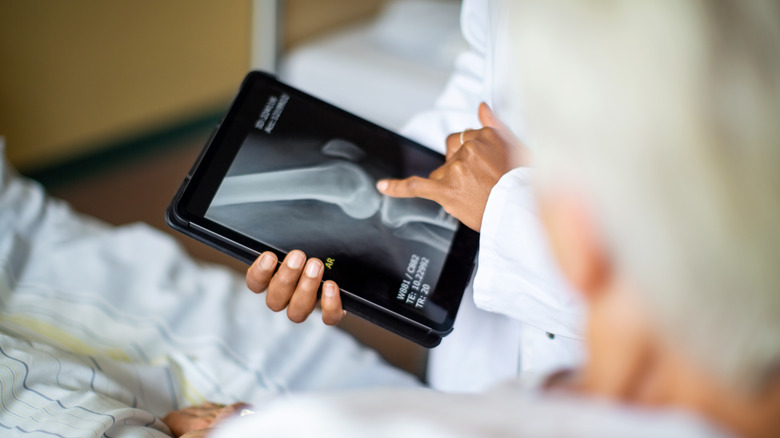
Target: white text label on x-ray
[(271, 112)]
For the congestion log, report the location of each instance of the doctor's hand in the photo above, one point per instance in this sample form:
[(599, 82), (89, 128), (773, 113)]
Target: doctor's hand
[(294, 286), (476, 160)]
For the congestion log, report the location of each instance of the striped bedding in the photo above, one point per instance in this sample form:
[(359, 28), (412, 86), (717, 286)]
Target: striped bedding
[(103, 329)]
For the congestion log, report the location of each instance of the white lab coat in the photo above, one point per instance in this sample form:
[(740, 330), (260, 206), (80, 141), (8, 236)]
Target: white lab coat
[(519, 315)]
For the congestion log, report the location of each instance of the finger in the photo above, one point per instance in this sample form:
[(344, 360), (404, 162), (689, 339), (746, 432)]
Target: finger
[(488, 118), (332, 312), (412, 187), (207, 409), (456, 140), (453, 144), (229, 411), (305, 296), (260, 272), (283, 283), (180, 423), (439, 173)]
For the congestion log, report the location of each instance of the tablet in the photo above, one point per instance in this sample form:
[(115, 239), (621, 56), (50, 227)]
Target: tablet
[(284, 170)]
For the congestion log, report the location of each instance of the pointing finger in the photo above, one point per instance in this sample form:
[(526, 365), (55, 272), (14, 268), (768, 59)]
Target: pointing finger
[(412, 187)]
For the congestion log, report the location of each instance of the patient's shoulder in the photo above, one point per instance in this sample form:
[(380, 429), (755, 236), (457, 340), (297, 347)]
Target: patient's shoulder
[(512, 411)]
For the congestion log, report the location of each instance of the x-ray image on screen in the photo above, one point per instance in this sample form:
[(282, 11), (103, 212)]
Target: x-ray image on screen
[(298, 183)]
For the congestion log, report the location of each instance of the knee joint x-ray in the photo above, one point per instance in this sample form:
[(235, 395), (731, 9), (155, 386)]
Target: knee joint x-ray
[(344, 184)]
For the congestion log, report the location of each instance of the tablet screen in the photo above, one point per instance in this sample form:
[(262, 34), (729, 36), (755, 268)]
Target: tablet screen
[(302, 176)]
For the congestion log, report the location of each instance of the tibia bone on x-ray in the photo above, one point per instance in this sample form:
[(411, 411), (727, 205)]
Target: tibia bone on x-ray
[(347, 186), (412, 220), (397, 212)]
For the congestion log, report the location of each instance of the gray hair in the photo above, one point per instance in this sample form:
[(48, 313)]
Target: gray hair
[(665, 113)]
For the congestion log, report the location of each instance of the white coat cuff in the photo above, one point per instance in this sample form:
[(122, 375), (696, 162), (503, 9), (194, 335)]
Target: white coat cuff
[(516, 274)]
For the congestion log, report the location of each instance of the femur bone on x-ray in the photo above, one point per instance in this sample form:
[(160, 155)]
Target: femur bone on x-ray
[(346, 185)]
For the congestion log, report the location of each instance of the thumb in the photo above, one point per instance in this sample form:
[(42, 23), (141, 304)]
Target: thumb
[(488, 118)]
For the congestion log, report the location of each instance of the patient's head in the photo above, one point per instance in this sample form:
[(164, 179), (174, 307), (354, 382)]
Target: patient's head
[(655, 125)]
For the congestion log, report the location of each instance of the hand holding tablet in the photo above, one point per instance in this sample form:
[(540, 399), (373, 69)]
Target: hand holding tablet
[(294, 286)]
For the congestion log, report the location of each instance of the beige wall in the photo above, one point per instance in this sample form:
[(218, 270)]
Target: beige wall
[(81, 73)]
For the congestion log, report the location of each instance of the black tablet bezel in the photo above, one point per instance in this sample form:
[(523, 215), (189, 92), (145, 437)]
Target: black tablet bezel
[(196, 195)]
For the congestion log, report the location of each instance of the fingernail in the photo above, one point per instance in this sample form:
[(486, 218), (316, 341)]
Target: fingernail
[(295, 260), (381, 185), (329, 290), (313, 268), (266, 261)]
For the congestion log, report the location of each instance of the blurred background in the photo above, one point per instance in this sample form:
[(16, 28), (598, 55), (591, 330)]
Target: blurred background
[(107, 104)]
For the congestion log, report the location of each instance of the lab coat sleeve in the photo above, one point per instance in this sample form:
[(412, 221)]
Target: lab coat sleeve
[(517, 276), (456, 108)]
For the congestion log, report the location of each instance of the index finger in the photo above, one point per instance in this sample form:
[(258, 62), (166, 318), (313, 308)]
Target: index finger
[(412, 187), (456, 140), (259, 275)]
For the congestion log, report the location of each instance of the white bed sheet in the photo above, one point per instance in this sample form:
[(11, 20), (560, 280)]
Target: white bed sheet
[(105, 329)]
